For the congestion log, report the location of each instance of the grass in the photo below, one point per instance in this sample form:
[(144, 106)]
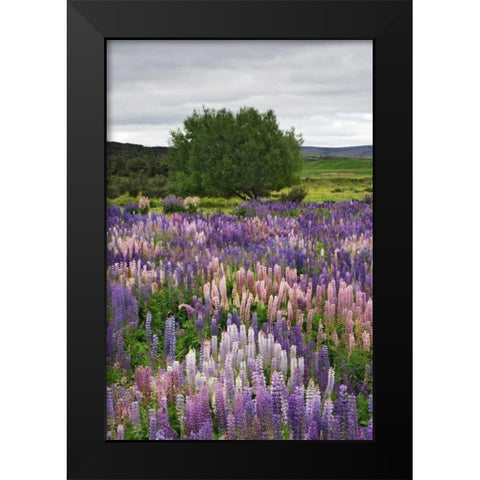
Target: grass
[(333, 179), (327, 179)]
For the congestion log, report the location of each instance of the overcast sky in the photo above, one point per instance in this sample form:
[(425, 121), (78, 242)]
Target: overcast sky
[(322, 88)]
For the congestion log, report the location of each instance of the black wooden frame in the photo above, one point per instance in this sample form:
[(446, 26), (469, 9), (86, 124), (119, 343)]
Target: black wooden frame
[(90, 24)]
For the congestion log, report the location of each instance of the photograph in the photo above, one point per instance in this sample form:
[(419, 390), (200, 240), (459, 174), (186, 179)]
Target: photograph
[(239, 240)]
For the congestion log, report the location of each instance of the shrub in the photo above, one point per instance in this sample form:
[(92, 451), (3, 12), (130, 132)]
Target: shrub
[(296, 194), (117, 186), (154, 186), (172, 204)]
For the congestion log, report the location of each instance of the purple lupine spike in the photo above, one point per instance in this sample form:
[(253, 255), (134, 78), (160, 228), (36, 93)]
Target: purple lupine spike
[(110, 407), (135, 413), (214, 327), (263, 406), (152, 428), (279, 392), (230, 427), (368, 435), (221, 413), (229, 378), (120, 356), (154, 352), (148, 326), (277, 426), (323, 367), (206, 431), (164, 431), (249, 406), (191, 419), (296, 414), (240, 417), (169, 345), (205, 404), (335, 432), (235, 317), (351, 429), (120, 433), (199, 323), (341, 406)]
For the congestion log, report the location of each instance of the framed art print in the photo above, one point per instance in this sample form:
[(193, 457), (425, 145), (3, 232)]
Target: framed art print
[(239, 181)]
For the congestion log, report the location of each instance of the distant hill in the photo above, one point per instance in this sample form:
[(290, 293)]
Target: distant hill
[(359, 151), (117, 148)]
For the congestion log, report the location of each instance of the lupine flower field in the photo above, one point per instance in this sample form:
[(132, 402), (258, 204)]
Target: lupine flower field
[(250, 326)]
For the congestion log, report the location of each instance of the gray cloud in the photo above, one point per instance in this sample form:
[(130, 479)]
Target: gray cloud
[(322, 88)]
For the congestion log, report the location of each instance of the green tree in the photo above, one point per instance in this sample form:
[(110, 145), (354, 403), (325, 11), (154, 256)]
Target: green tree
[(220, 153)]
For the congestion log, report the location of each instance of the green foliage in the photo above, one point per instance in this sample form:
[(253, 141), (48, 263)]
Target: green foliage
[(114, 375), (154, 186), (173, 418), (334, 178), (296, 194), (362, 410), (136, 346), (356, 363), (116, 186), (173, 208), (136, 170), (220, 153), (189, 339), (121, 200), (262, 311)]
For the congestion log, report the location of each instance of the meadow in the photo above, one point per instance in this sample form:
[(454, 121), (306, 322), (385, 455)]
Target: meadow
[(327, 179), (230, 320)]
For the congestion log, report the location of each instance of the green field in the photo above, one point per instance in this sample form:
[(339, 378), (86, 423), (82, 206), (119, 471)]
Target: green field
[(337, 179), (327, 179)]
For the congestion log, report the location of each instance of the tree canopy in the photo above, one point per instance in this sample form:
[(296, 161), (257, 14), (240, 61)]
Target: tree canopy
[(219, 153)]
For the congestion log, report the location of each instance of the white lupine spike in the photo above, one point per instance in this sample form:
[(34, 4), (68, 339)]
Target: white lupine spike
[(240, 355), (274, 366), (243, 373), (366, 340), (301, 365), (243, 336), (251, 350), (214, 341), (191, 367), (293, 351), (238, 384), (351, 341), (330, 382), (234, 353), (232, 331), (284, 363)]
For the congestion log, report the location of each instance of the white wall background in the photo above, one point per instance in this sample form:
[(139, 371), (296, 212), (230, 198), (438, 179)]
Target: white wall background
[(446, 240)]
